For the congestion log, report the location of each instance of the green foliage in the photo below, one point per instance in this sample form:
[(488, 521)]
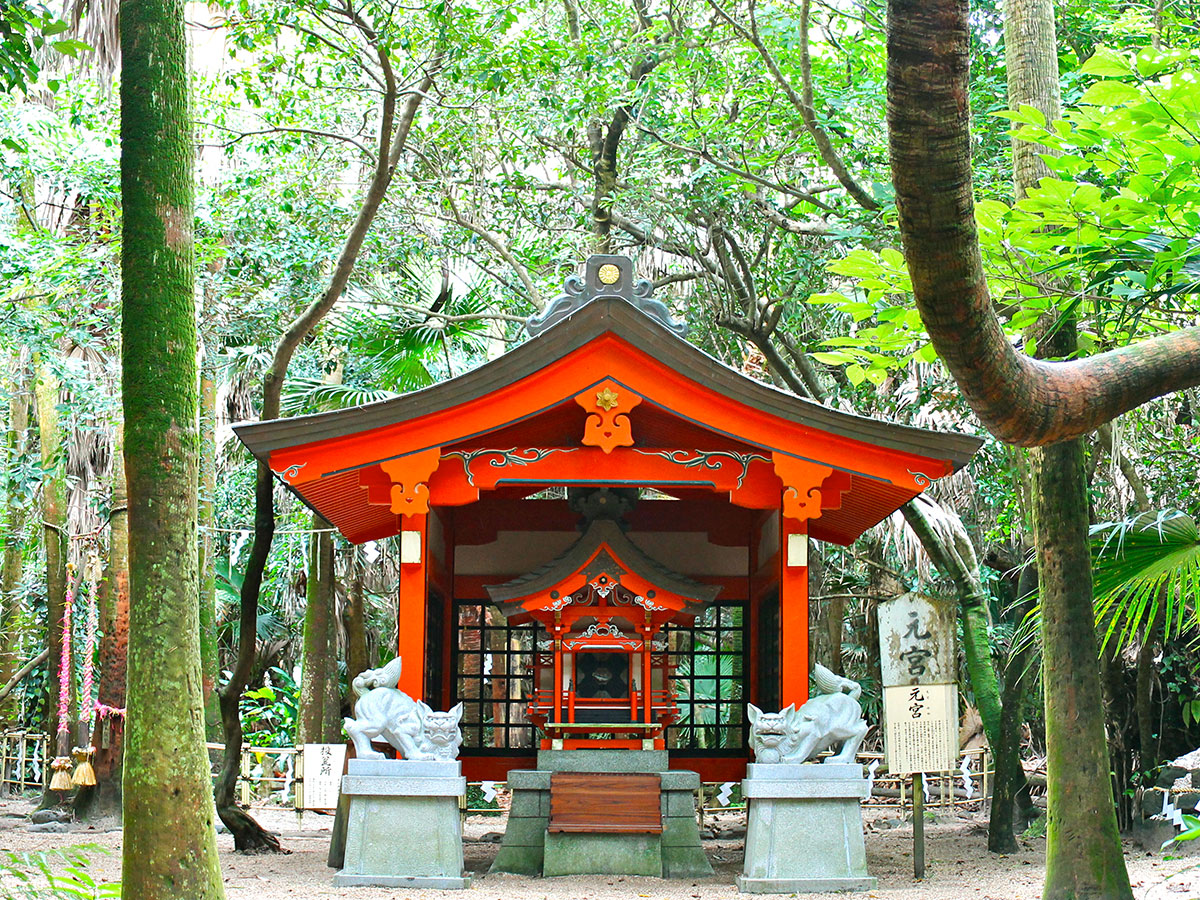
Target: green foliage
[(27, 29), (270, 713), (1190, 833), (59, 874), (478, 805), (1144, 568), (1107, 239)]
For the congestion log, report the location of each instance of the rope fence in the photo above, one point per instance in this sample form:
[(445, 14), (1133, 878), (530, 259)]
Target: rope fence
[(268, 778)]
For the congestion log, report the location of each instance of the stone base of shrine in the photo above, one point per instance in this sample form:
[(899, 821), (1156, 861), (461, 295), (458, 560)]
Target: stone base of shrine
[(403, 828), (527, 848), (816, 807)]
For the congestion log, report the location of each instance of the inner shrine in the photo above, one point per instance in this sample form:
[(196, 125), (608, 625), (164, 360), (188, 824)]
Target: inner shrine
[(603, 553), (604, 679)]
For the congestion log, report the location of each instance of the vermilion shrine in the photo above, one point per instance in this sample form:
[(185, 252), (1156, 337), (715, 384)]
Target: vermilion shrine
[(604, 531)]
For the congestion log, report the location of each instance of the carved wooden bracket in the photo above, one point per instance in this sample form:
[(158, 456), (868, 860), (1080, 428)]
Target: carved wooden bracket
[(608, 424), (402, 483), (802, 486)]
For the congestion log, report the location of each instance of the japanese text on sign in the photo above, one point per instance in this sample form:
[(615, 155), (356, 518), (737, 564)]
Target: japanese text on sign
[(323, 765), (922, 727), (915, 641)]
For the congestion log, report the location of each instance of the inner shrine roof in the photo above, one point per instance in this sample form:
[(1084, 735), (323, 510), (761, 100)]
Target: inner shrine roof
[(529, 407), (601, 536)]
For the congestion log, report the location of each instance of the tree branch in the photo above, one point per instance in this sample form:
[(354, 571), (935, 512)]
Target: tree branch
[(1023, 401), (500, 245), (802, 102)]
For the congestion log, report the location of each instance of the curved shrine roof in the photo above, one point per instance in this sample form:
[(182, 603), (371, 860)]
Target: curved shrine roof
[(616, 346)]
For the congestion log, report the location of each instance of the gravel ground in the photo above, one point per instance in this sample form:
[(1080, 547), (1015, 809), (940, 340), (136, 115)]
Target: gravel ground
[(958, 864)]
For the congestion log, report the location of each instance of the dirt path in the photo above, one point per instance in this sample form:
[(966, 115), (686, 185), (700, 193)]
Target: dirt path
[(959, 866)]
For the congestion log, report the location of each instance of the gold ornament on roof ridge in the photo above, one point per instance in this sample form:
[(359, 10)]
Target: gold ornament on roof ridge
[(608, 274)]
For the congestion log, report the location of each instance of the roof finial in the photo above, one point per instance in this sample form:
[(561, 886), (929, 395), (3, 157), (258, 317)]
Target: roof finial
[(604, 277)]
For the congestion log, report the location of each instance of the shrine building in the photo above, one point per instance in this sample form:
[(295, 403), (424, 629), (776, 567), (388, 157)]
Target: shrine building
[(603, 532)]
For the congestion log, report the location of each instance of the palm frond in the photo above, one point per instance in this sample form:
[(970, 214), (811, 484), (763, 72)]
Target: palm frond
[(1144, 568), (308, 395)]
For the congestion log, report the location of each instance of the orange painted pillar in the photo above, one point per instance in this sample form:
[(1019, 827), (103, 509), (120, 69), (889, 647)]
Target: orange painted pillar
[(647, 683), (414, 574), (793, 610)]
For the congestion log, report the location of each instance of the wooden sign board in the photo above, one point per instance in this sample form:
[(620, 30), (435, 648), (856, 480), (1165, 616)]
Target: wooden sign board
[(921, 728), (916, 641), (323, 766), (918, 663)]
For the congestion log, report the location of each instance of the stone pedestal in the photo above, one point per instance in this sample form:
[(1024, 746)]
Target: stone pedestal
[(403, 827), (805, 832), (528, 849)]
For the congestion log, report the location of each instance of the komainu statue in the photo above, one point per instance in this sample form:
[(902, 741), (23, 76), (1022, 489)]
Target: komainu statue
[(795, 735), (411, 726)]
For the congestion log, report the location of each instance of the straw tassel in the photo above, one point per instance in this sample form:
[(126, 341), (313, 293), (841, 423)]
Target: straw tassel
[(61, 780), (85, 775)]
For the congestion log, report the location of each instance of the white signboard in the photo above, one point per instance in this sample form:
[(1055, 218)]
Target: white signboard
[(921, 733), (916, 641), (323, 764), (920, 697)]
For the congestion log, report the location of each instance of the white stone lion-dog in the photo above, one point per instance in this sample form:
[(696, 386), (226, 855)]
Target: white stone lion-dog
[(411, 726), (795, 735)]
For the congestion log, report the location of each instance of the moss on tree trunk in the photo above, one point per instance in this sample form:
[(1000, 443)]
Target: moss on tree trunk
[(319, 722), (13, 563), (170, 842)]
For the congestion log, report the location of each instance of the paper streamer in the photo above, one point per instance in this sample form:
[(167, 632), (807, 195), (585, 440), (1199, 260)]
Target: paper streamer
[(871, 775), (968, 784), (725, 793)]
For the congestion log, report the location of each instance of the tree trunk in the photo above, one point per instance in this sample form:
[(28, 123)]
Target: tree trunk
[(1148, 714), (1083, 848), (604, 142), (209, 662), (961, 566), (13, 564), (108, 735), (356, 629), (1010, 791), (170, 843), (248, 835), (319, 665)]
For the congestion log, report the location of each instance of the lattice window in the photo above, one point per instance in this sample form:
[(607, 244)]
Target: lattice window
[(491, 676), (711, 671)]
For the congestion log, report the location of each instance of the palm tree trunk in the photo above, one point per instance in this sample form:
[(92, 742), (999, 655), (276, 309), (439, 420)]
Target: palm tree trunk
[(13, 563), (169, 847), (54, 526), (319, 665), (355, 623)]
